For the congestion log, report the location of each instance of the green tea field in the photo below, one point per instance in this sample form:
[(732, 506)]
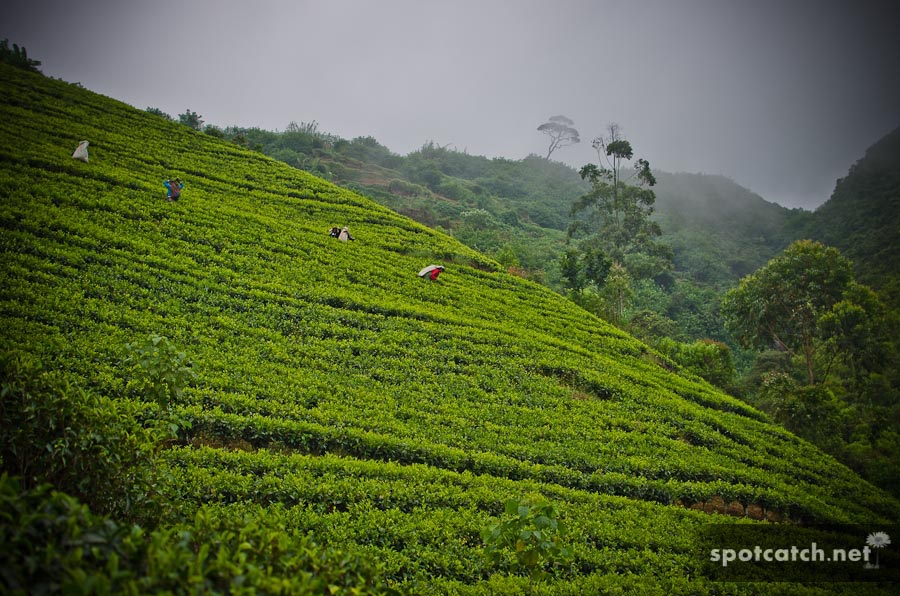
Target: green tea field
[(346, 421)]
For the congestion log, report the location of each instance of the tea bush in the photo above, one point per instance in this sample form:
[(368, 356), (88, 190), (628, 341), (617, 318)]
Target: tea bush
[(52, 431)]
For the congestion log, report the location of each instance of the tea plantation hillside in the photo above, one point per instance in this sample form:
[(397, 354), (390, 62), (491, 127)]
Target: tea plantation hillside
[(350, 423)]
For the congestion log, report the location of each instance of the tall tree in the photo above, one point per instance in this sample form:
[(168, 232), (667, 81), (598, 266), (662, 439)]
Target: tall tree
[(158, 112), (17, 56), (586, 265), (782, 304), (192, 119), (860, 337), (619, 205), (616, 293), (561, 133), (310, 128)]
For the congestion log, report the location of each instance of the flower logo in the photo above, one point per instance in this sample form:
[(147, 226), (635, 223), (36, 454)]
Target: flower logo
[(877, 540)]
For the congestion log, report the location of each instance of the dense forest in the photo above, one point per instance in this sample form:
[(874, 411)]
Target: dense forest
[(862, 217), (209, 394)]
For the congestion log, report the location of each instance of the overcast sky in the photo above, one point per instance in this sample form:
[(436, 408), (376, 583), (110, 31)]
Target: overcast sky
[(782, 96)]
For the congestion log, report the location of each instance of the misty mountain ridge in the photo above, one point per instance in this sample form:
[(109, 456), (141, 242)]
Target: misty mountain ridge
[(712, 197), (713, 223), (862, 217)]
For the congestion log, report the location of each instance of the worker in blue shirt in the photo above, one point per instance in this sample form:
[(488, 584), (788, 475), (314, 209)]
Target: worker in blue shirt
[(173, 189)]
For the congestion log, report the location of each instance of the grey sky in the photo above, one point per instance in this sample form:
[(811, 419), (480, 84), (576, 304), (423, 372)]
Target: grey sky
[(782, 96)]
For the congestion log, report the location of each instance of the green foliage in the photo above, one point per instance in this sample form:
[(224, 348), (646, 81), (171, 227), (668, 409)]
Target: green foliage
[(191, 119), (454, 190), (368, 149), (507, 257), (859, 332), (425, 173), (528, 539), (436, 185), (214, 131), (862, 217), (650, 326), (782, 303), (585, 266), (597, 265), (478, 219), (621, 237), (158, 112), (718, 232), (618, 212), (708, 359), (571, 269), (158, 370), (402, 187), (53, 431), (842, 339), (812, 412), (616, 294), (50, 544), (16, 56)]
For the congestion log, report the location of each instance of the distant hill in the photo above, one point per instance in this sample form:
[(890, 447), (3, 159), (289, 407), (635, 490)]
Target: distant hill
[(719, 230), (346, 411), (862, 217)]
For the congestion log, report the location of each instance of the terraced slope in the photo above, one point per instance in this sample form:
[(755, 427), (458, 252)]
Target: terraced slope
[(340, 394)]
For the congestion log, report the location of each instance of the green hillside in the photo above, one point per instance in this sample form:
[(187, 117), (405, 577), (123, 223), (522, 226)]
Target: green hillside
[(718, 230), (517, 211), (514, 210), (348, 420), (863, 215)]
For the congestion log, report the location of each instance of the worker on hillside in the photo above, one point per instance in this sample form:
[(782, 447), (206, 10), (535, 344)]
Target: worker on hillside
[(335, 232), (81, 151), (432, 271), (173, 189), (344, 236)]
